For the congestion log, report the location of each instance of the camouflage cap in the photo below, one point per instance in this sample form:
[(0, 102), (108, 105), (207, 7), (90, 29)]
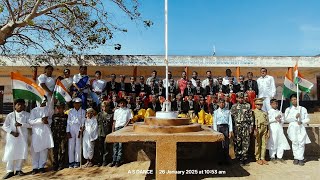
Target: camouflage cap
[(240, 95)]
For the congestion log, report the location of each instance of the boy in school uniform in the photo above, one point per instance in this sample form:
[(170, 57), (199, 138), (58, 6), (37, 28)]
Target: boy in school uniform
[(58, 128), (298, 117), (105, 120), (261, 132), (277, 142), (122, 117), (90, 134), (16, 148), (76, 119), (223, 123)]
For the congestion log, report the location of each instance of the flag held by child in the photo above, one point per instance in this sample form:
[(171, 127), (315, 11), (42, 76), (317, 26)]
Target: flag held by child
[(25, 88), (304, 85), (288, 86), (61, 93)]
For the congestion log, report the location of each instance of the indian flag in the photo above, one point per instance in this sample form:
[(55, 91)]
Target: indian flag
[(304, 85), (24, 88), (288, 86), (61, 93)]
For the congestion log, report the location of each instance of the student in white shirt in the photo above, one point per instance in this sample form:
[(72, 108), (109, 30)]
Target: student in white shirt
[(223, 124), (90, 134), (16, 148), (121, 117), (76, 119)]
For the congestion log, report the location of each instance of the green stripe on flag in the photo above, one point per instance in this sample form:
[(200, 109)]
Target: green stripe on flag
[(25, 94), (59, 97), (304, 89), (287, 92)]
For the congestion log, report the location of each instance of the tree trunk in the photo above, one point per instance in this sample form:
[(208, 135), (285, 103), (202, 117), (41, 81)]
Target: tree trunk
[(6, 32)]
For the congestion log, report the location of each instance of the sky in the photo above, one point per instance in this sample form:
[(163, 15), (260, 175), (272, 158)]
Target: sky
[(234, 27)]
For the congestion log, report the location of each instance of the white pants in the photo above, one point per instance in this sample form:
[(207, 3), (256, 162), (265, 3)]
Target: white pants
[(74, 145), (266, 104), (15, 165), (298, 150), (88, 149), (278, 151), (39, 159)]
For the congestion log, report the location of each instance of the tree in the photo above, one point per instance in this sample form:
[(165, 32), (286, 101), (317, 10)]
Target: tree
[(61, 26)]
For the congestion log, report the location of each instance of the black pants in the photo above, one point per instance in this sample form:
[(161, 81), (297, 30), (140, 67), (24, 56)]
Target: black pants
[(59, 152), (103, 151), (224, 148)]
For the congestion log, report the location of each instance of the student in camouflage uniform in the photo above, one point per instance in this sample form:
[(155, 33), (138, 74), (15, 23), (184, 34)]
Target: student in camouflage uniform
[(58, 128), (105, 120), (261, 132), (243, 124)]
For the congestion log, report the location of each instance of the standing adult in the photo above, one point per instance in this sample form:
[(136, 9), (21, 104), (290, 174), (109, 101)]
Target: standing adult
[(47, 82), (267, 89), (153, 77), (226, 78), (251, 88), (67, 79), (206, 81), (182, 83), (81, 83), (169, 79), (194, 78)]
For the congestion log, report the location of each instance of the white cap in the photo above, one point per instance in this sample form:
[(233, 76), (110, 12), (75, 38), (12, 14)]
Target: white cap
[(77, 100)]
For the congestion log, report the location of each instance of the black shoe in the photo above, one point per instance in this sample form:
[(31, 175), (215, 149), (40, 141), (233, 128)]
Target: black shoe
[(104, 164), (35, 171), (19, 173), (8, 175), (60, 168), (111, 164), (76, 165), (42, 170), (296, 162), (301, 163), (118, 164)]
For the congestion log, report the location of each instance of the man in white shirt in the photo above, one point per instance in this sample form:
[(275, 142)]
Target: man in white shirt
[(47, 82), (153, 77), (121, 117), (75, 123), (267, 89), (206, 81), (194, 78), (169, 79), (226, 78), (67, 79), (40, 120), (16, 149), (298, 117), (98, 86)]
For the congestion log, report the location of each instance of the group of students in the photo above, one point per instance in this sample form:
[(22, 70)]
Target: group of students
[(240, 122), (79, 131), (75, 131)]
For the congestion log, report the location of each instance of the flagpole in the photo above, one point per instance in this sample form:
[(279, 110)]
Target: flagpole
[(282, 97), (166, 47), (14, 111)]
